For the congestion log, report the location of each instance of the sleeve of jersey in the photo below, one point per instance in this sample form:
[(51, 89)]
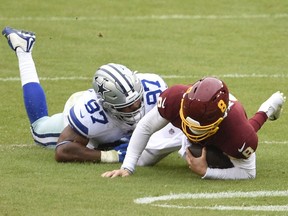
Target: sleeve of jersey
[(149, 124), (74, 119), (170, 100), (243, 169)]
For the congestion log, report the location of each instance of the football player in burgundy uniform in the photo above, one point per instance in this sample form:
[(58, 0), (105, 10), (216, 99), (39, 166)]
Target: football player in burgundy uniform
[(211, 117), (95, 124)]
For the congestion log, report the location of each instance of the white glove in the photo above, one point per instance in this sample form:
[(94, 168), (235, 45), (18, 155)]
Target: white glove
[(109, 156)]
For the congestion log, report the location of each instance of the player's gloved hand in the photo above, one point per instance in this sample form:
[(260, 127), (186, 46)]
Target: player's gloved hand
[(116, 155)]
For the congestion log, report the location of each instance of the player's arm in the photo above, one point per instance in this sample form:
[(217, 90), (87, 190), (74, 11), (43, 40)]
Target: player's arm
[(71, 147), (242, 169), (149, 124)]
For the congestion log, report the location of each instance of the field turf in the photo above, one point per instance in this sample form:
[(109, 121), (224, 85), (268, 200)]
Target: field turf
[(240, 41)]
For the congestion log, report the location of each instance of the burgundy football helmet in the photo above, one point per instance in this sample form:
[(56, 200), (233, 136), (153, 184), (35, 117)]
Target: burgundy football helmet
[(203, 108)]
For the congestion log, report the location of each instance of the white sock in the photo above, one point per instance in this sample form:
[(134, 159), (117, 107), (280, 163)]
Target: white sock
[(27, 67)]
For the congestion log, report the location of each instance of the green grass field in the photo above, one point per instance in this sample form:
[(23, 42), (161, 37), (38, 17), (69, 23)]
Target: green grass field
[(240, 41)]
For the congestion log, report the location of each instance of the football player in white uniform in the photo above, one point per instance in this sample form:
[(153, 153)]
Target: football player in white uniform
[(96, 124)]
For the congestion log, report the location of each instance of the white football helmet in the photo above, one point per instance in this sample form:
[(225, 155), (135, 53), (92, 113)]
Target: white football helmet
[(119, 88)]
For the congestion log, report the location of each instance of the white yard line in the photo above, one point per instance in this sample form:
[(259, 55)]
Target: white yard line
[(219, 195), (232, 75), (150, 17), (230, 208)]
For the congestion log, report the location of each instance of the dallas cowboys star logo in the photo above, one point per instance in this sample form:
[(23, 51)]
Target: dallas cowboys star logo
[(102, 89)]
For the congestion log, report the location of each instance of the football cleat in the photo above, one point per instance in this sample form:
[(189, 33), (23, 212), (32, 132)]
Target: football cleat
[(273, 105), (19, 38)]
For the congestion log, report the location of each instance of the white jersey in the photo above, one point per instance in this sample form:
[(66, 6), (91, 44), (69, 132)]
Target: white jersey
[(89, 118)]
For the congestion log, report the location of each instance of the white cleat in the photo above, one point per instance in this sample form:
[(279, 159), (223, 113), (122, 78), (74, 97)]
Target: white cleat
[(19, 38), (273, 105)]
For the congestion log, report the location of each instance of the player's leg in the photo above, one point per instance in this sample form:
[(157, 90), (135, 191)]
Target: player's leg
[(161, 144), (45, 130), (270, 109), (34, 97)]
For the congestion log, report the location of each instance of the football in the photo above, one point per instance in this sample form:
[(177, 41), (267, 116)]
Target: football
[(214, 157)]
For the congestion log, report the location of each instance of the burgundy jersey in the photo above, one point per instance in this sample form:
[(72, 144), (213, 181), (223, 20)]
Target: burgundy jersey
[(236, 137)]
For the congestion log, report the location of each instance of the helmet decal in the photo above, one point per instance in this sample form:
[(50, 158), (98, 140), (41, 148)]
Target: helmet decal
[(101, 89), (222, 106)]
